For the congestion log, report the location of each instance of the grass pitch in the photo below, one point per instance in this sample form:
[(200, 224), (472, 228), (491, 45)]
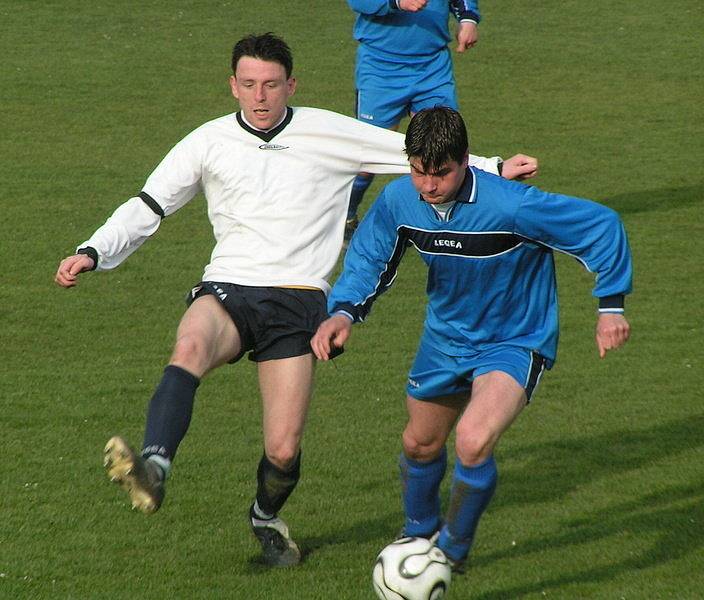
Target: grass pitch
[(601, 479)]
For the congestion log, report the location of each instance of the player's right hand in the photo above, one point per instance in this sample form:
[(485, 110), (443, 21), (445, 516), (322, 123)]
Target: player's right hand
[(412, 5), (70, 267), (332, 333)]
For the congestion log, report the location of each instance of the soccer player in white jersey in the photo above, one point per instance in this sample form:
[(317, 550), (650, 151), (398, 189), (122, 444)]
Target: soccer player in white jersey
[(276, 180)]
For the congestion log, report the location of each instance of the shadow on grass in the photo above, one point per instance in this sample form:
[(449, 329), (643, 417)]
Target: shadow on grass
[(381, 527), (660, 200), (552, 470), (675, 515)]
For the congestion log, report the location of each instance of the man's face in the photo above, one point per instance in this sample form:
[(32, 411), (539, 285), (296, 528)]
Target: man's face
[(262, 90), (437, 186)]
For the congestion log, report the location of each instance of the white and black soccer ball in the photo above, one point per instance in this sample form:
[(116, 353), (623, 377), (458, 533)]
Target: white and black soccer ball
[(411, 569)]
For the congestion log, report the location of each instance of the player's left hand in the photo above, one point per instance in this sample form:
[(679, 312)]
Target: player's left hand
[(612, 332), (519, 166), (467, 35)]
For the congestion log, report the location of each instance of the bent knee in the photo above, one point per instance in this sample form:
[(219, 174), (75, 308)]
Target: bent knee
[(422, 450), (473, 446), (191, 353)]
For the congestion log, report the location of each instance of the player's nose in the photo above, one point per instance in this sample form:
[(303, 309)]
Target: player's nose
[(428, 184)]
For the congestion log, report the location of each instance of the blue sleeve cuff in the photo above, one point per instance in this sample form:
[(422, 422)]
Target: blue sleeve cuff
[(345, 313), (349, 310)]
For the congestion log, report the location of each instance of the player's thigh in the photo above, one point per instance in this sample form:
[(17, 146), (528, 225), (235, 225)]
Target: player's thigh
[(496, 400), (206, 337), (429, 424), (286, 385)]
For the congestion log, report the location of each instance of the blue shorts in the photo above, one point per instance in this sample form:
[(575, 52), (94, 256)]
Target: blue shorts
[(388, 91), (436, 374)]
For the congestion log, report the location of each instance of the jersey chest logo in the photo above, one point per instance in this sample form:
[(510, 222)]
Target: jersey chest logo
[(469, 244), (272, 147)]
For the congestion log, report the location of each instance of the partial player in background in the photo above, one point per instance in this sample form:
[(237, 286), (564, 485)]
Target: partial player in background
[(491, 324), (403, 64), (277, 182)]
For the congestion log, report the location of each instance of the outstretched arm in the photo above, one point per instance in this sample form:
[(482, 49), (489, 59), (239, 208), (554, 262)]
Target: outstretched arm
[(332, 333), (612, 332)]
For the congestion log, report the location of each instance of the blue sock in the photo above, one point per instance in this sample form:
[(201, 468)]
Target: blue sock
[(169, 413), (359, 186), (472, 489), (421, 494)]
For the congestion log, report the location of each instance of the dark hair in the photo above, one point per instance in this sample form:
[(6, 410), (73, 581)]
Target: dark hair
[(435, 136), (266, 46)]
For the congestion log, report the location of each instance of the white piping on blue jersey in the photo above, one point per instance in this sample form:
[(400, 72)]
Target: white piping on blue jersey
[(463, 233), (457, 231), (381, 275), (556, 250)]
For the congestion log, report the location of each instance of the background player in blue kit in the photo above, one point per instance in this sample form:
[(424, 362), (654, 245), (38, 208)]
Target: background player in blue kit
[(491, 323), (404, 65)]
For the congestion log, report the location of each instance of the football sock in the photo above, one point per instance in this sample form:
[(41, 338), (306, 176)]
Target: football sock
[(420, 483), (359, 186), (169, 414), (164, 465), (472, 489), (275, 485), (260, 514)]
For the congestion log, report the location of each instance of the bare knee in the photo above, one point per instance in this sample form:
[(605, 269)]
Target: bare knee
[(191, 353), (422, 450), (473, 445), (283, 455)]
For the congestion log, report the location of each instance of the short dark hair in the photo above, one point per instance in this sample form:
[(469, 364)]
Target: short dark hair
[(435, 136), (266, 46)]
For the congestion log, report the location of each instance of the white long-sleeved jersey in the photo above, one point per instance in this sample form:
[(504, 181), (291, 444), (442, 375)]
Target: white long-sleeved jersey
[(277, 200)]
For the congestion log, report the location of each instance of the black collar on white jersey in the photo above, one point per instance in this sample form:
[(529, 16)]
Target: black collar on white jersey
[(467, 192), (267, 136)]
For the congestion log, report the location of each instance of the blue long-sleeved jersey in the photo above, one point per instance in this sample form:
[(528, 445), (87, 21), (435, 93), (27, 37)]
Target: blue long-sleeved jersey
[(384, 29), (491, 276)]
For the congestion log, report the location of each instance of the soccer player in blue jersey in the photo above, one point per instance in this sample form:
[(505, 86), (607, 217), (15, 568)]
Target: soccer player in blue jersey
[(404, 65), (491, 324)]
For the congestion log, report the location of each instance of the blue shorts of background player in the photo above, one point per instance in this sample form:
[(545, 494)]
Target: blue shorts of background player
[(435, 374), (388, 91)]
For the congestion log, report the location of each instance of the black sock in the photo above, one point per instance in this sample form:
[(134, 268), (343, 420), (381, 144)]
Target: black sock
[(274, 485), (169, 413)]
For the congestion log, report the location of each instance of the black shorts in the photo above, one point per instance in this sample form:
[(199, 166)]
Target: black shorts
[(273, 322)]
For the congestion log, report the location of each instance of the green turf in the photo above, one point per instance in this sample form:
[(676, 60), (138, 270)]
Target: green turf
[(602, 484)]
